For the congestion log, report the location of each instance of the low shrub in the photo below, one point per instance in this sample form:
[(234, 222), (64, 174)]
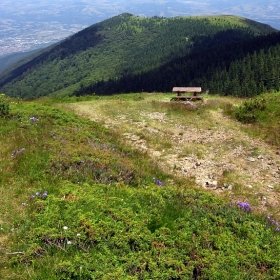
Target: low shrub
[(4, 106), (250, 110)]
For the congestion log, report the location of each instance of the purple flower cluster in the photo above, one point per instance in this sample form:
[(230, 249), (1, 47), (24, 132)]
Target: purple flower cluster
[(157, 182), (245, 206), (17, 152), (33, 119), (38, 194), (272, 222)]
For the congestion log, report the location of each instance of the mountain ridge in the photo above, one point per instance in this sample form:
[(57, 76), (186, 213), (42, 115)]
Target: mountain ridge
[(119, 46), (25, 26)]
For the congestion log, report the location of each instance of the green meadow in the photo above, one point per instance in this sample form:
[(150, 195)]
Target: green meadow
[(77, 203)]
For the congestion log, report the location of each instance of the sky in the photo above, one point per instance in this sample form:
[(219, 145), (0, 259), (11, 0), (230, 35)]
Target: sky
[(91, 11)]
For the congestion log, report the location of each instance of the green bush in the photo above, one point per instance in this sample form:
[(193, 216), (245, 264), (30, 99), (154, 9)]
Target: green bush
[(250, 110), (262, 113), (4, 108)]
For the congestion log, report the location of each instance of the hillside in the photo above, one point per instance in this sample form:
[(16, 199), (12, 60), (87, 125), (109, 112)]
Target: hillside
[(9, 60), (122, 46), (114, 188), (220, 65)]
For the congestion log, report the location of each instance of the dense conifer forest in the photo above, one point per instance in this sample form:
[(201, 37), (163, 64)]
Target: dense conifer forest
[(239, 68)]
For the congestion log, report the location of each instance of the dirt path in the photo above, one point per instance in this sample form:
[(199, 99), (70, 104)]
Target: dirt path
[(217, 153)]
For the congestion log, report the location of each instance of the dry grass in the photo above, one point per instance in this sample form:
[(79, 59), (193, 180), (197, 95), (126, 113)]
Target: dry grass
[(195, 141)]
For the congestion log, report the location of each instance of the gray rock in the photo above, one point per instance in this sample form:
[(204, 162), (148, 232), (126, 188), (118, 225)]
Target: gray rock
[(211, 184)]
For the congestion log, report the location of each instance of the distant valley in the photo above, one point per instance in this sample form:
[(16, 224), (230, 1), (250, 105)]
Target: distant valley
[(34, 36)]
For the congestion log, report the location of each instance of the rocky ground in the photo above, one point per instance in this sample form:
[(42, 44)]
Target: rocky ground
[(219, 154)]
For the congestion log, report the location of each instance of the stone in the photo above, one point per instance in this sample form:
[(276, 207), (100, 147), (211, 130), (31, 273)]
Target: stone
[(207, 184), (211, 184)]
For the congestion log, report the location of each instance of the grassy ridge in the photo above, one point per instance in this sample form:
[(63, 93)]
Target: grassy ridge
[(77, 204)]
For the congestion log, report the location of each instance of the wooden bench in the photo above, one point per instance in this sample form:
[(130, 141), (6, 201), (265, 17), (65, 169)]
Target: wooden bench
[(181, 90)]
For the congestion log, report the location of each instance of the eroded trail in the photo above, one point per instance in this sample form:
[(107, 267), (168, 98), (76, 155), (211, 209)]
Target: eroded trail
[(212, 148)]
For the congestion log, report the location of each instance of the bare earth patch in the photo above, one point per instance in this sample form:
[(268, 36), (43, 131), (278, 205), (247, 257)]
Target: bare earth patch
[(216, 152)]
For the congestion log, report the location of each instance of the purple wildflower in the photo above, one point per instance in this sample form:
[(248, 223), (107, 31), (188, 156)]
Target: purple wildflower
[(270, 222), (45, 194), (23, 204), (14, 153), (37, 194), (245, 206), (157, 182), (32, 196), (33, 119)]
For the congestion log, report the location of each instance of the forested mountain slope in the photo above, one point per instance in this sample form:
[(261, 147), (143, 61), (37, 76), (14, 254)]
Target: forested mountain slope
[(126, 46), (243, 68), (9, 60)]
